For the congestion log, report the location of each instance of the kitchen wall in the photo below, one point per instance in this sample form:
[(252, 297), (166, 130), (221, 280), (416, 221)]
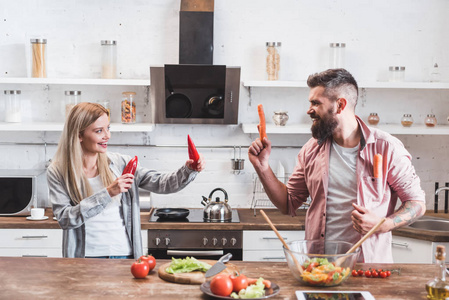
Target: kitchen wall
[(377, 34)]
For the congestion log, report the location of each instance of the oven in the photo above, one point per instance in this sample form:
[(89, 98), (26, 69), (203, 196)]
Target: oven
[(204, 244)]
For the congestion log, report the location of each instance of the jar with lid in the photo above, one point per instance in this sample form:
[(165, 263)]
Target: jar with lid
[(396, 73), (12, 106), (373, 119), (280, 118), (109, 59), (128, 107), (105, 104), (337, 55), (273, 61), (72, 98), (38, 58), (430, 120), (407, 120)]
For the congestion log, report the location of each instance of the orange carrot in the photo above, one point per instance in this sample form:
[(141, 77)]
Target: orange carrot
[(265, 282), (262, 124), (377, 166)]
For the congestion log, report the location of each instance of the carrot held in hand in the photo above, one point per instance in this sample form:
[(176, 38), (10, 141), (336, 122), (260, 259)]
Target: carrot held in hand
[(262, 124), (377, 165), (193, 153)]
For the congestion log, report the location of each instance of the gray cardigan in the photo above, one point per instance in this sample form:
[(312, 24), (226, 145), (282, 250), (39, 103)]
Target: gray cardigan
[(71, 217)]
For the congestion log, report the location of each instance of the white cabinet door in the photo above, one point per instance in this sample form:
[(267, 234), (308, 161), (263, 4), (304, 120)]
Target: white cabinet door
[(408, 250), (31, 242), (145, 241), (264, 245)]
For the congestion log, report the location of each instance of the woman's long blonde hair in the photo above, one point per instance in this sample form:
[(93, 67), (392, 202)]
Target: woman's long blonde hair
[(68, 159)]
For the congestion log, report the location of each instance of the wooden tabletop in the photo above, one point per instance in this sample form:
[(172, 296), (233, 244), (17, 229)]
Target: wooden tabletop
[(83, 278)]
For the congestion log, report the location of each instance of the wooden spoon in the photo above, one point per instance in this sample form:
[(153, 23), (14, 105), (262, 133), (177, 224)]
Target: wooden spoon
[(339, 261), (297, 264)]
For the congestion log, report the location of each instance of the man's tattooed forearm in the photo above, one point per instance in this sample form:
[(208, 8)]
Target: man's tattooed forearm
[(407, 213)]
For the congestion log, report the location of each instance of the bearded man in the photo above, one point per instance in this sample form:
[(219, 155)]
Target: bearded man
[(336, 169)]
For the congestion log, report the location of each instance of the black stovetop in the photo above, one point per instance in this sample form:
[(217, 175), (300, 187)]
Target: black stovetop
[(196, 216)]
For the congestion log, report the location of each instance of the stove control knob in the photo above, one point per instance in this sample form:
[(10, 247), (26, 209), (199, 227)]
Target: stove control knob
[(224, 241), (205, 241), (157, 241), (233, 241), (214, 241), (167, 241)]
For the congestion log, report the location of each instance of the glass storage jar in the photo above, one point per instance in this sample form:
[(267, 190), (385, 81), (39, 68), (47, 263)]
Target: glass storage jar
[(407, 120), (12, 106), (337, 55), (109, 59), (430, 120), (38, 58), (273, 61), (72, 98), (105, 104), (373, 119), (128, 108), (280, 118), (396, 74)]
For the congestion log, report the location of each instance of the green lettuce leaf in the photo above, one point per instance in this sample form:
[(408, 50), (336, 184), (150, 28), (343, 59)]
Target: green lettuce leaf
[(186, 265)]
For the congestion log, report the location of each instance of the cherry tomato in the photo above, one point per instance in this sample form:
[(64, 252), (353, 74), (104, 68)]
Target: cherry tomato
[(383, 274), (150, 260), (239, 282), (360, 272), (368, 273), (312, 266), (355, 273), (374, 273), (140, 269), (388, 273), (221, 285)]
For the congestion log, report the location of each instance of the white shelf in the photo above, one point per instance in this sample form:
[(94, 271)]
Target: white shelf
[(374, 85), (76, 81), (49, 126), (390, 128)]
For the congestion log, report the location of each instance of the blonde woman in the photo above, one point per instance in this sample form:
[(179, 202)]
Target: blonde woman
[(97, 207)]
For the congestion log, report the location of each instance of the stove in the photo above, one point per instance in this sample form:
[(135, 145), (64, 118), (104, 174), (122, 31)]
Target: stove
[(196, 216), (204, 244)]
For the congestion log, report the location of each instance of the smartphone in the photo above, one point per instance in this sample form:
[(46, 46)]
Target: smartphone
[(334, 295)]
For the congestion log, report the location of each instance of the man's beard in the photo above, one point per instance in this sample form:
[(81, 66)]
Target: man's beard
[(323, 128)]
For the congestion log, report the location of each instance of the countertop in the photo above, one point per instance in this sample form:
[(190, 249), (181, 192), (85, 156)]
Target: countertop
[(247, 222), (83, 278)]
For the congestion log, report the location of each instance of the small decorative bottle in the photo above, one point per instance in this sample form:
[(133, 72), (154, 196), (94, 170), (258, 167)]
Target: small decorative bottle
[(430, 120), (438, 288), (407, 120), (373, 119)]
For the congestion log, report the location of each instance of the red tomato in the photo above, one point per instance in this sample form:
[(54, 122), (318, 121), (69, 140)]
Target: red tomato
[(239, 282), (368, 273), (374, 274), (388, 273), (355, 273), (311, 266), (383, 274), (221, 285), (360, 272), (150, 260), (140, 269)]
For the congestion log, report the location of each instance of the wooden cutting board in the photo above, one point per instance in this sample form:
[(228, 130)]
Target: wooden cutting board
[(196, 277)]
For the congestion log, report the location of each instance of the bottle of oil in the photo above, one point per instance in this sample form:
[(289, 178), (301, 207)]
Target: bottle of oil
[(438, 288)]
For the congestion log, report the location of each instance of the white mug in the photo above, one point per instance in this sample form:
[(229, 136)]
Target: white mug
[(37, 213)]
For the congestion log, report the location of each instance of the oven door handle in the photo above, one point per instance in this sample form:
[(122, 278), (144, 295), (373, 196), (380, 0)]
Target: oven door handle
[(195, 253)]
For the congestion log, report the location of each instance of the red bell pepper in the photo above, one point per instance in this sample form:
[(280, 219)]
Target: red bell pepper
[(131, 166), (193, 153)]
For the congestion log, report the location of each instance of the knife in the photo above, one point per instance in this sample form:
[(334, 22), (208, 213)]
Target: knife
[(219, 265)]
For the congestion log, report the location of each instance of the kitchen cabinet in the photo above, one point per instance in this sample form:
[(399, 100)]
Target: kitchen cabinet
[(57, 126), (145, 241), (420, 129), (408, 250), (31, 242), (264, 245)]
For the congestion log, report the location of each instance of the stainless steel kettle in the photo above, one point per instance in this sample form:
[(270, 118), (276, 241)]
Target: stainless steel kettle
[(216, 211)]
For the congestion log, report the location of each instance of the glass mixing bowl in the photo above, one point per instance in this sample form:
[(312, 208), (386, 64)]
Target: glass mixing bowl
[(324, 263)]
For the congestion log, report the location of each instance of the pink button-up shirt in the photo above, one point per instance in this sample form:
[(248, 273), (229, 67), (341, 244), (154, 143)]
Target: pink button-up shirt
[(310, 177)]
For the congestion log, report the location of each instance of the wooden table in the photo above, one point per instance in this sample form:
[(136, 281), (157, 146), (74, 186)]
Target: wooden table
[(81, 278)]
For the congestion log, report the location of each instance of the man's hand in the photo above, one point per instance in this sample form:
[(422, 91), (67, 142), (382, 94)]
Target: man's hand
[(363, 220), (259, 152)]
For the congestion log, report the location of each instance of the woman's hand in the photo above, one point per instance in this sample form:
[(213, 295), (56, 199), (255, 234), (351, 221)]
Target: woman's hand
[(121, 184), (199, 166)]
